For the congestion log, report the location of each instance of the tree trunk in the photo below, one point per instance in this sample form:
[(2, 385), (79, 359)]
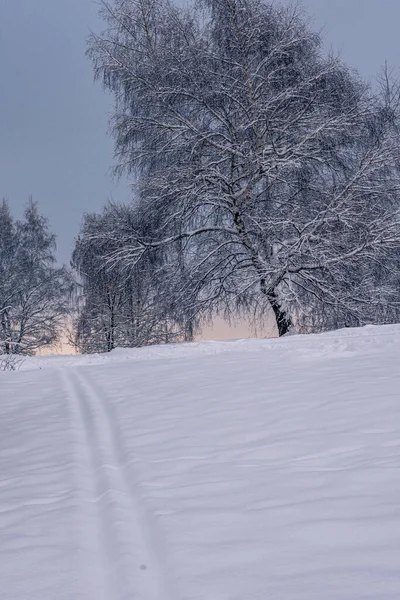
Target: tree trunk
[(283, 320), (6, 332), (111, 345), (189, 336)]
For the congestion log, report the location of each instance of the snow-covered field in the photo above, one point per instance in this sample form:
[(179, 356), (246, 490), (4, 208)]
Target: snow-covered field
[(248, 470)]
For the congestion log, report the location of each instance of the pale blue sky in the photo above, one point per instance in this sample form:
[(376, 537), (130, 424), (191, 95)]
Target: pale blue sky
[(53, 119)]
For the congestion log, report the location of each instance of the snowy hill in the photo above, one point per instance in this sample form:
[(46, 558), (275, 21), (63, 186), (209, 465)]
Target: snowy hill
[(248, 470)]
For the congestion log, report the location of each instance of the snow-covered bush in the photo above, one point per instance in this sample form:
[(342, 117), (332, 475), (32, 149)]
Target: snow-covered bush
[(10, 362)]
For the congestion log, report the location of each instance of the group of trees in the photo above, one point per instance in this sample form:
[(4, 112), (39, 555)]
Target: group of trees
[(34, 291), (118, 304), (265, 174)]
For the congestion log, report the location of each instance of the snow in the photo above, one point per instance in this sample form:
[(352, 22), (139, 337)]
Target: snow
[(240, 470)]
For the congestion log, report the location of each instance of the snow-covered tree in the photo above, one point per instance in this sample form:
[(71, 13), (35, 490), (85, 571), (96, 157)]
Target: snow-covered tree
[(274, 166), (119, 304), (33, 290)]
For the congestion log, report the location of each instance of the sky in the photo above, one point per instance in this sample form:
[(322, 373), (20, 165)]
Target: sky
[(54, 143)]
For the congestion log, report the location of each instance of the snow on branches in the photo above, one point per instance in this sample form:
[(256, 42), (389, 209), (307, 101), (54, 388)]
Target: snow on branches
[(269, 170)]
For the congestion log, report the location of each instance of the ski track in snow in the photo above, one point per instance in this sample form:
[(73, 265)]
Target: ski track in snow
[(248, 470), (121, 541)]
